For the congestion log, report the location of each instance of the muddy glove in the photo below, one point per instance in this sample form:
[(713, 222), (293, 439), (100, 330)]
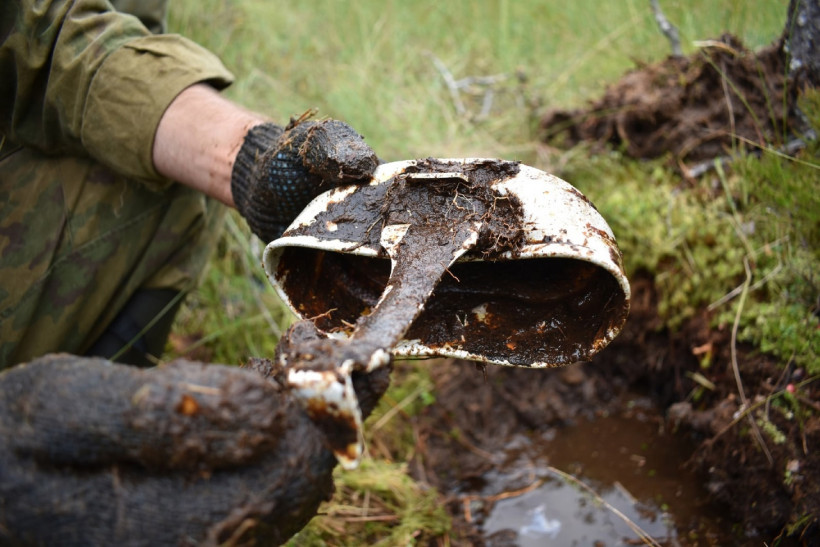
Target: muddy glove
[(94, 453), (277, 172)]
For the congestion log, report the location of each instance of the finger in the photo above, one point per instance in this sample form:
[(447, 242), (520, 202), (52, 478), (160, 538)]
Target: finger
[(335, 152), (267, 500), (70, 410)]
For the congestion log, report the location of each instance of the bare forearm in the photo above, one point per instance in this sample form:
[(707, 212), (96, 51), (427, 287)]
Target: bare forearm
[(198, 138)]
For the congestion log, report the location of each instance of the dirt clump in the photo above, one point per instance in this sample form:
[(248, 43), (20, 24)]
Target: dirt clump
[(473, 198), (695, 108)]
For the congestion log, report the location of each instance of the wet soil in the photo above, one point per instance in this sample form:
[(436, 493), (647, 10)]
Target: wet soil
[(336, 153), (470, 440), (761, 488), (691, 108)]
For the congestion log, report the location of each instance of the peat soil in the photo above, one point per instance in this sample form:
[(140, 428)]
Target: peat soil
[(766, 486), (693, 109)]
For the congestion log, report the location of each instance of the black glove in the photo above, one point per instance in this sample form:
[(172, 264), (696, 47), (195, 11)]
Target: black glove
[(277, 172), (94, 453)]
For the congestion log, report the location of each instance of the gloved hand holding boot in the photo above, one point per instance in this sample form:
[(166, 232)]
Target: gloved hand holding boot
[(95, 453)]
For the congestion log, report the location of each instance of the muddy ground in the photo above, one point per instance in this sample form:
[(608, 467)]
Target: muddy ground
[(681, 108), (692, 109), (475, 418)]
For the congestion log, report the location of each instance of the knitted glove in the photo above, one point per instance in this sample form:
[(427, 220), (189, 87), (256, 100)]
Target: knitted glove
[(277, 172), (95, 453)]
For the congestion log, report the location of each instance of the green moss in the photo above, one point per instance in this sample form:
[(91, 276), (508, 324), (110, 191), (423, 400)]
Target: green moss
[(378, 504), (697, 238), (771, 430)]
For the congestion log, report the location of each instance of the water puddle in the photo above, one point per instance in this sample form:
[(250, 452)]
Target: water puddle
[(559, 513), (604, 482)]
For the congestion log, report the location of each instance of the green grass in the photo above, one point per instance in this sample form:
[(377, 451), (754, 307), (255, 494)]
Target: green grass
[(372, 64), (369, 62), (378, 492)]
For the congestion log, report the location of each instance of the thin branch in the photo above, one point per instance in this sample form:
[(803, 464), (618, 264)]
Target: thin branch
[(748, 411), (739, 289), (481, 80), (736, 369), (786, 152), (466, 500), (645, 537), (450, 82), (400, 406), (471, 85), (668, 29), (372, 518)]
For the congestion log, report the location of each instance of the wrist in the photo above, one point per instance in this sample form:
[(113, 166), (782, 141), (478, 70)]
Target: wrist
[(256, 141), (198, 138)]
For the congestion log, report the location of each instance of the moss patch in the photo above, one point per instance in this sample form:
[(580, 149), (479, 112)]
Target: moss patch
[(697, 238)]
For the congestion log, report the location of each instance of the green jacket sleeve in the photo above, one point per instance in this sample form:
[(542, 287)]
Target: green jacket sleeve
[(77, 77)]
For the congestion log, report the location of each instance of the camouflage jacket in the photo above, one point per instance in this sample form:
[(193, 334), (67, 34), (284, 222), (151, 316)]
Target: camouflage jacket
[(85, 219), (79, 78)]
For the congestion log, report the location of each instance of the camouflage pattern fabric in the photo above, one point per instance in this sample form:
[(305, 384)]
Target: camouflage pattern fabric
[(151, 13), (78, 240), (81, 79), (85, 219)]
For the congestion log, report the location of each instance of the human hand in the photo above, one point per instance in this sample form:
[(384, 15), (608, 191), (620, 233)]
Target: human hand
[(278, 171), (94, 453)]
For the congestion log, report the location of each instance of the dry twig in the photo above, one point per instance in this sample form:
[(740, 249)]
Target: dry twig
[(473, 85), (645, 537), (668, 29), (736, 369)]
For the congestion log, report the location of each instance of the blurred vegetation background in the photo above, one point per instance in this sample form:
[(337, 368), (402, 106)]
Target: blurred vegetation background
[(381, 65)]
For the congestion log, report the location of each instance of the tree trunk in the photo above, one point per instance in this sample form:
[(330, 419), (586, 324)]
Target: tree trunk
[(802, 41)]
